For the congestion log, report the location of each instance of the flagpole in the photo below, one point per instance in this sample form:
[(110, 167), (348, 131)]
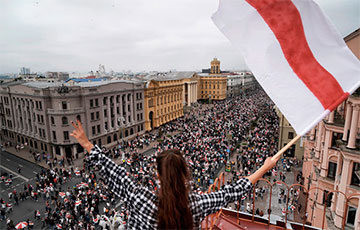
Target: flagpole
[(278, 154)]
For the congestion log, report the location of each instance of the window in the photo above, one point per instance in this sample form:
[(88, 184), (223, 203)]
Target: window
[(129, 97), (91, 103), (64, 120), (52, 121), (64, 105), (351, 215), (98, 128), (290, 135), (105, 100), (97, 115), (78, 117), (106, 125), (329, 198), (93, 130), (332, 170), (336, 136), (66, 135), (355, 177), (54, 135), (92, 116), (109, 139), (105, 112), (96, 102), (129, 109)]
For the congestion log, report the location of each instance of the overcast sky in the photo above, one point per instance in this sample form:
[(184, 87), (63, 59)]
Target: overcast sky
[(137, 35)]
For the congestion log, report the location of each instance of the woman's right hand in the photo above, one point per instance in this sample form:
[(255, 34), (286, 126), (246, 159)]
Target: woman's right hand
[(80, 136)]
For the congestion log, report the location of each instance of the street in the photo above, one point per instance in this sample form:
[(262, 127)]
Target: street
[(25, 210)]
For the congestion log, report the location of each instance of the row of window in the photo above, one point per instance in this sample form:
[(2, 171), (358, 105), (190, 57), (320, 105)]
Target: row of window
[(355, 175), (169, 109), (170, 98), (114, 137), (95, 102), (214, 86)]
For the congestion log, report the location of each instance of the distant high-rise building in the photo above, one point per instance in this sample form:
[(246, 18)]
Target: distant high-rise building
[(24, 70)]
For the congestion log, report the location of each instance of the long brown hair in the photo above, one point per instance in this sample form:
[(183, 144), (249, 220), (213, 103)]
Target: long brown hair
[(173, 209)]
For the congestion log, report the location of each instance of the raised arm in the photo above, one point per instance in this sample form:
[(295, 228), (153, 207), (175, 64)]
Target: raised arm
[(114, 175)]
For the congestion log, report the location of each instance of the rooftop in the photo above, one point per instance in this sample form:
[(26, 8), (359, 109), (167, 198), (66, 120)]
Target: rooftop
[(178, 75)]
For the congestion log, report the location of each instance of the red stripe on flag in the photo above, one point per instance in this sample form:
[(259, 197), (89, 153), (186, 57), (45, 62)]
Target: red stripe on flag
[(284, 20)]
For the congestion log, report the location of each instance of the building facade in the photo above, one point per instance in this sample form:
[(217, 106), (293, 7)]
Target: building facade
[(286, 134), (166, 95), (332, 162), (212, 86), (38, 114), (234, 84)]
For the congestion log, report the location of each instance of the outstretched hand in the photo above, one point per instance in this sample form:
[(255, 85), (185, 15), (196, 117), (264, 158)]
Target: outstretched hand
[(270, 163), (80, 136)]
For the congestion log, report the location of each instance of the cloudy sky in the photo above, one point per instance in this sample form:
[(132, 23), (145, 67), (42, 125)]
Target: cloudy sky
[(137, 35)]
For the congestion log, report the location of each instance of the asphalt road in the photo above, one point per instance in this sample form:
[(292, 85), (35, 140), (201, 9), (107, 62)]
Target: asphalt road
[(10, 164), (25, 210)]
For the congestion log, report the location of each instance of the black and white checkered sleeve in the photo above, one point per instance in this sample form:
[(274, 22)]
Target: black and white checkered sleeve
[(213, 202), (114, 175)]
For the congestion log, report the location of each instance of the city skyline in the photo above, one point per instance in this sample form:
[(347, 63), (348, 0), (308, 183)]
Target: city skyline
[(137, 35)]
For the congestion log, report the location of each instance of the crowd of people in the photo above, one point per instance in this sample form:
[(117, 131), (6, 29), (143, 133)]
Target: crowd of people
[(77, 207), (208, 136)]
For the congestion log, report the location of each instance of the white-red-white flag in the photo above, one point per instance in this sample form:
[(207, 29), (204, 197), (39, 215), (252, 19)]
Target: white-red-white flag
[(295, 53)]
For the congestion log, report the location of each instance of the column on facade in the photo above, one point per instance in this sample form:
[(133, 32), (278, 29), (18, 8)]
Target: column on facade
[(331, 117), (354, 127), (347, 121), (318, 139), (192, 92), (74, 151), (115, 114), (312, 134), (62, 153), (340, 206), (53, 150), (108, 112), (133, 107), (33, 117), (337, 180), (121, 110), (324, 164), (196, 91), (189, 94)]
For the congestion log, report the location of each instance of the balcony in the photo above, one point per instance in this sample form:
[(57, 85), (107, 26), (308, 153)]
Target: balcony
[(236, 219), (341, 145), (65, 111)]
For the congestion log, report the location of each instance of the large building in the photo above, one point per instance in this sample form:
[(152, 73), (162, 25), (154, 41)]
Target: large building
[(332, 162), (165, 96), (39, 113), (212, 86)]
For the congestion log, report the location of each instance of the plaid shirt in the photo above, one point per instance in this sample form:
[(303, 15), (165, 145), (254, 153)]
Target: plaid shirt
[(142, 203)]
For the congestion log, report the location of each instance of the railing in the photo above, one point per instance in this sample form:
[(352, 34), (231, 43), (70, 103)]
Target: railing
[(220, 182)]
